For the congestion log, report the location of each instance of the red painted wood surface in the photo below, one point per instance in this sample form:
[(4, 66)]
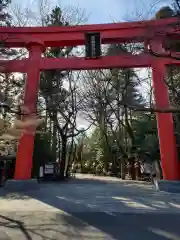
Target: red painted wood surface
[(74, 35), (81, 63)]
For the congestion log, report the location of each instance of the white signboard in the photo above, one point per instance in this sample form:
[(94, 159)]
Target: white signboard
[(49, 169)]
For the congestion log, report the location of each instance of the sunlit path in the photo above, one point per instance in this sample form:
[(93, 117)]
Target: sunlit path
[(91, 208)]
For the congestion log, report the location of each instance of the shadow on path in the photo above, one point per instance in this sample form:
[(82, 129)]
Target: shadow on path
[(80, 197), (8, 222), (118, 209)]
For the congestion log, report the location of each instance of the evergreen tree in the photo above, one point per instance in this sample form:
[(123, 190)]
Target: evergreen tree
[(59, 101), (5, 18)]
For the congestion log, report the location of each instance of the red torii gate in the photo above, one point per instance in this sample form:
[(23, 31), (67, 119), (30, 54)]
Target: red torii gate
[(36, 39)]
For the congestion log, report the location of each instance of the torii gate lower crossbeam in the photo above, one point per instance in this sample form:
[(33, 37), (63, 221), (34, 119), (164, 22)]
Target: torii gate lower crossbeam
[(35, 63)]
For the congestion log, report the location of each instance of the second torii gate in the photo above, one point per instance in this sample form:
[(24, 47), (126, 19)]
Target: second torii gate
[(36, 39)]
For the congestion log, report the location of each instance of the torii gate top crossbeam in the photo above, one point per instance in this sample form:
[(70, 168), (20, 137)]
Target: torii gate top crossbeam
[(74, 35), (144, 31)]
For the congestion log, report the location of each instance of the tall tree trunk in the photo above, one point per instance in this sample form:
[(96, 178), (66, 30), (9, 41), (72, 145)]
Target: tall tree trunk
[(122, 164), (46, 121), (79, 156), (70, 158), (50, 130), (59, 146), (54, 139), (63, 156)]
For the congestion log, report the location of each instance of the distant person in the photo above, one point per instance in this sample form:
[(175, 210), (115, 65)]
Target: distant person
[(145, 169)]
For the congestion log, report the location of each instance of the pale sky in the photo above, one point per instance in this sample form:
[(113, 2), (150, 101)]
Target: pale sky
[(104, 11)]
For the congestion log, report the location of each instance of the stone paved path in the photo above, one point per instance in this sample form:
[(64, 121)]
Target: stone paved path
[(90, 208)]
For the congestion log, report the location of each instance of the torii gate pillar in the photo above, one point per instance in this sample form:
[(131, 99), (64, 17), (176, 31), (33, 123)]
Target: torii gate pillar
[(24, 156), (168, 149)]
